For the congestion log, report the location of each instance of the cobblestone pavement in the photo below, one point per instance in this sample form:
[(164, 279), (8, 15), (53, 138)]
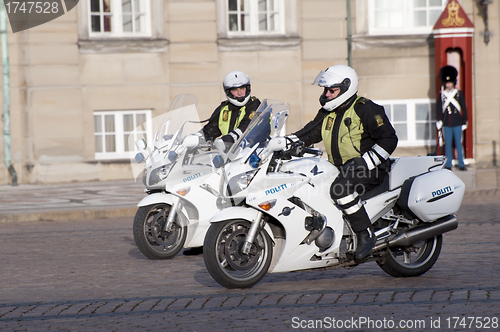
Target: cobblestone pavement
[(70, 201), (89, 276)]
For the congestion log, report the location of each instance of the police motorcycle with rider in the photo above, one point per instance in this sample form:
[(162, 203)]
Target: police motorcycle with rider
[(179, 176), (283, 216), (181, 181), (232, 116), (229, 119), (358, 138)]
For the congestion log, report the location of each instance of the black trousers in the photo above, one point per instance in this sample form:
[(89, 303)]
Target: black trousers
[(347, 189)]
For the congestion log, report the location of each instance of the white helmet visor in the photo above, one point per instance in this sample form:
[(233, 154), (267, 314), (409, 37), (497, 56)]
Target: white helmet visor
[(327, 79)]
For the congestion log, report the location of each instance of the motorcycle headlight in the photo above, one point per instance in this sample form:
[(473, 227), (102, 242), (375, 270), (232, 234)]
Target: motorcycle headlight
[(240, 182), (159, 174)]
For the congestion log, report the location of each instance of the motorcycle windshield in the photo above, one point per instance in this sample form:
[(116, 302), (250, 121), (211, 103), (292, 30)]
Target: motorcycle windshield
[(170, 129), (180, 121), (268, 122)]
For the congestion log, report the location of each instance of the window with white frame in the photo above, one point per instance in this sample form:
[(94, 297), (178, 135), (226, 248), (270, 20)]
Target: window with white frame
[(255, 17), (388, 17), (413, 119), (112, 130), (119, 18)]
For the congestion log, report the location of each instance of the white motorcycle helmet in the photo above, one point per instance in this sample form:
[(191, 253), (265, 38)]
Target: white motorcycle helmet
[(339, 76), (236, 79)]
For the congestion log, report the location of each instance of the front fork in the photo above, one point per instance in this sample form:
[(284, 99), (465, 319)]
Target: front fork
[(251, 234), (171, 216)]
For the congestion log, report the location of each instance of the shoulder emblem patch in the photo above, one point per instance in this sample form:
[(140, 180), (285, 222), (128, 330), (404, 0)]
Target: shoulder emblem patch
[(225, 116), (361, 100), (380, 121), (329, 123)]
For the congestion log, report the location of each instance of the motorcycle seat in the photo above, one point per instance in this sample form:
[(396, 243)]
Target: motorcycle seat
[(382, 187)]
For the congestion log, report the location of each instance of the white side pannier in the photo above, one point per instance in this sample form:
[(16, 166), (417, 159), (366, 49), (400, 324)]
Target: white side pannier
[(432, 195)]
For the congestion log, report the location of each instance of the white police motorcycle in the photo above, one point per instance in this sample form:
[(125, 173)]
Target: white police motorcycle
[(283, 219), (181, 181)]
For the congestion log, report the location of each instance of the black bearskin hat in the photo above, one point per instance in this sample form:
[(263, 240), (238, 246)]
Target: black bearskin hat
[(448, 74)]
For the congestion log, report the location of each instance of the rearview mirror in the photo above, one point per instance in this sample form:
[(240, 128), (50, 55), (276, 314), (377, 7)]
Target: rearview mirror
[(141, 144), (276, 144), (191, 141)]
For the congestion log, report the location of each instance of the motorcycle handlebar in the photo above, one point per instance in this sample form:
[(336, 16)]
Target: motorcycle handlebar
[(206, 146), (313, 151)]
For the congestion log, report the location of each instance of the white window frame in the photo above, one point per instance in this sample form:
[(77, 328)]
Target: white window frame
[(251, 7), (117, 21), (411, 121), (120, 142), (407, 19)]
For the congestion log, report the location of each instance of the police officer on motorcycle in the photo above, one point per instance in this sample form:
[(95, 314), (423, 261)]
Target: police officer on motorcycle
[(359, 139), (231, 117)]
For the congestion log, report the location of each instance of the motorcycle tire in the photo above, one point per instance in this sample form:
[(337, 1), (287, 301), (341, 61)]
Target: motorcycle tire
[(149, 234), (412, 261), (223, 257)]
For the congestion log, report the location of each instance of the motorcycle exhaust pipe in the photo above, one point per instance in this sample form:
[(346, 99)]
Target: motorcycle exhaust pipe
[(422, 232)]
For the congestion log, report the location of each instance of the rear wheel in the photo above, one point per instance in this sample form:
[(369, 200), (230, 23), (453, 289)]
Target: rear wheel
[(412, 261), (223, 257), (150, 235)]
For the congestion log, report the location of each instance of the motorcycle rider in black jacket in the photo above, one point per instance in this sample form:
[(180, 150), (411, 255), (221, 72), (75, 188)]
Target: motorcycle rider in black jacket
[(232, 116), (358, 138), (230, 119)]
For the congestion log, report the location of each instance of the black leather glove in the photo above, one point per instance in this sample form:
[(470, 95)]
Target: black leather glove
[(295, 147)]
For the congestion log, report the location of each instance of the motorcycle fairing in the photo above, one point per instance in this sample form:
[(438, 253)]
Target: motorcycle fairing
[(297, 256), (156, 198), (292, 254), (319, 171)]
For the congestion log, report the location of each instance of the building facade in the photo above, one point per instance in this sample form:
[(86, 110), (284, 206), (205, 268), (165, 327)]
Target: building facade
[(80, 84)]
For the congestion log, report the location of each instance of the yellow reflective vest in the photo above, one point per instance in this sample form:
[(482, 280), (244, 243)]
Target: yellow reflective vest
[(225, 119), (348, 139)]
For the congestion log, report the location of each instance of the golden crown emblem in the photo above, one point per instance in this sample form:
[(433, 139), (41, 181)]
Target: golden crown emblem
[(453, 6), (453, 19)]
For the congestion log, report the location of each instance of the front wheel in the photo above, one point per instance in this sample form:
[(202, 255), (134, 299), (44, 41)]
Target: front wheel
[(412, 261), (150, 235), (223, 257)]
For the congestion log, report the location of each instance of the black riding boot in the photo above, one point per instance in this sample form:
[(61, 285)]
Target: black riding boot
[(366, 240)]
